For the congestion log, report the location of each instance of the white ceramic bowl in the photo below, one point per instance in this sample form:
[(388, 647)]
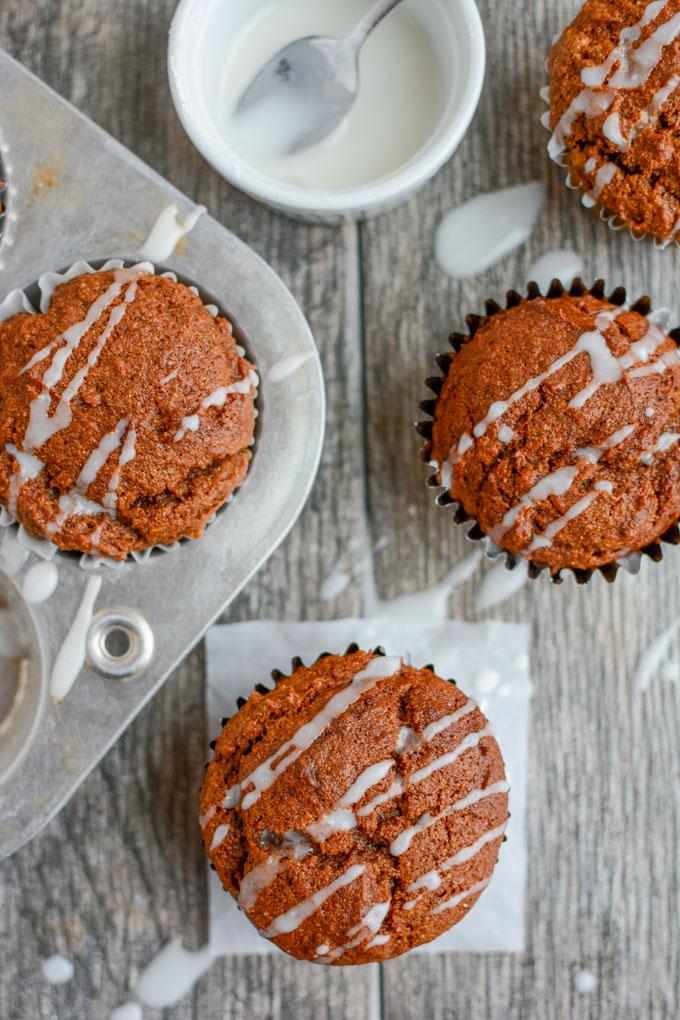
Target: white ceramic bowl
[(196, 46)]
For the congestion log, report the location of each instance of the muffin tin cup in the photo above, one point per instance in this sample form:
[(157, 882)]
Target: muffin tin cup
[(74, 192), (612, 219), (474, 531), (20, 301)]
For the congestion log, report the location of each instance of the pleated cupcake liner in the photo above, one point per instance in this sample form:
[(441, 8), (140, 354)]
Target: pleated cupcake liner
[(6, 196), (608, 216), (36, 298), (473, 530), (297, 663)]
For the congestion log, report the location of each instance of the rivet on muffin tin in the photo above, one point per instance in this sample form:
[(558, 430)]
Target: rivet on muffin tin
[(120, 643), (474, 532)]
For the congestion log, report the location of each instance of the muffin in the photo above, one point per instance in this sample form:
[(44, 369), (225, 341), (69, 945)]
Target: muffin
[(357, 809), (556, 429), (615, 110), (126, 414)]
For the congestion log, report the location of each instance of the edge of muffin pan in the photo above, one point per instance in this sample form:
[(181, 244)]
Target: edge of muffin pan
[(36, 298), (473, 530)]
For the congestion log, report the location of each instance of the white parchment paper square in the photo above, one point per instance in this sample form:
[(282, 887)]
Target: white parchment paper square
[(489, 660)]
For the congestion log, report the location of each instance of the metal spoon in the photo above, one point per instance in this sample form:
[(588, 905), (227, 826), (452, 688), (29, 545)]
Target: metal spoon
[(319, 75)]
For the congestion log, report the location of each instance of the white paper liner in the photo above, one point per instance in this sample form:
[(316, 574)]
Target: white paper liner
[(17, 301), (241, 655), (613, 221)]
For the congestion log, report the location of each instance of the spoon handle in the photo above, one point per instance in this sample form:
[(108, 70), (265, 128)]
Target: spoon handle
[(359, 34)]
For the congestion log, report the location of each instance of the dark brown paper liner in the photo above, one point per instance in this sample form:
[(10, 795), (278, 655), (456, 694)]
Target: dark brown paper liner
[(474, 531), (296, 663)]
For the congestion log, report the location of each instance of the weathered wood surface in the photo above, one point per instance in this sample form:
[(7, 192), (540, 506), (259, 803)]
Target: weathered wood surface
[(120, 870)]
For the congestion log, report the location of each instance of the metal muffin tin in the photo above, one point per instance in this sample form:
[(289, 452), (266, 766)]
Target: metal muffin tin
[(75, 193)]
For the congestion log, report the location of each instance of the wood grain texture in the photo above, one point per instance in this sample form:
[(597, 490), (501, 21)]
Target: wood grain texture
[(120, 870)]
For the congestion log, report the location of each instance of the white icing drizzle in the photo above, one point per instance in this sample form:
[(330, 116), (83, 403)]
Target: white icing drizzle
[(29, 468), (40, 582), (545, 539), (454, 901), (364, 781), (431, 880), (293, 918), (13, 553), (75, 502), (208, 816), (558, 482), (378, 940), (415, 742), (505, 434), (286, 366), (57, 969), (262, 875), (169, 377), (646, 117), (651, 657), (559, 264), (265, 774), (71, 655), (468, 742), (171, 974), (192, 422), (369, 925), (41, 424), (167, 232), (634, 67), (587, 343), (604, 176), (605, 367), (663, 443), (667, 360), (403, 841), (128, 453), (219, 836), (342, 817)]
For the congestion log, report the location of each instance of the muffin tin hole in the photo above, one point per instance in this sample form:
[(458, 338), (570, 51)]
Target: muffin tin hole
[(120, 643)]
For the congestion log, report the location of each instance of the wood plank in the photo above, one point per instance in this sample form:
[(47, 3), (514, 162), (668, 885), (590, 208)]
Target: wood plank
[(120, 871), (604, 810)]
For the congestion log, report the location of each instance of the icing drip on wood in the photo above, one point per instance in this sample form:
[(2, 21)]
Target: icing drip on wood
[(71, 655)]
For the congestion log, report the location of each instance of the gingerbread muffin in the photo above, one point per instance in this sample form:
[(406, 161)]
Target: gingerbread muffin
[(357, 809), (126, 413), (615, 110), (556, 429)]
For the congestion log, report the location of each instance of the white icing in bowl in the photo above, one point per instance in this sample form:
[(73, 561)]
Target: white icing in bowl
[(196, 59)]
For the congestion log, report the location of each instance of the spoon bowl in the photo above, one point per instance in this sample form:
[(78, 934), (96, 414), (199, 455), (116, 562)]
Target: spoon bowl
[(308, 87)]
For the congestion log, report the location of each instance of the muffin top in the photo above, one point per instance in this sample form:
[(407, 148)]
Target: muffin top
[(356, 810), (615, 110), (556, 428), (126, 414)]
